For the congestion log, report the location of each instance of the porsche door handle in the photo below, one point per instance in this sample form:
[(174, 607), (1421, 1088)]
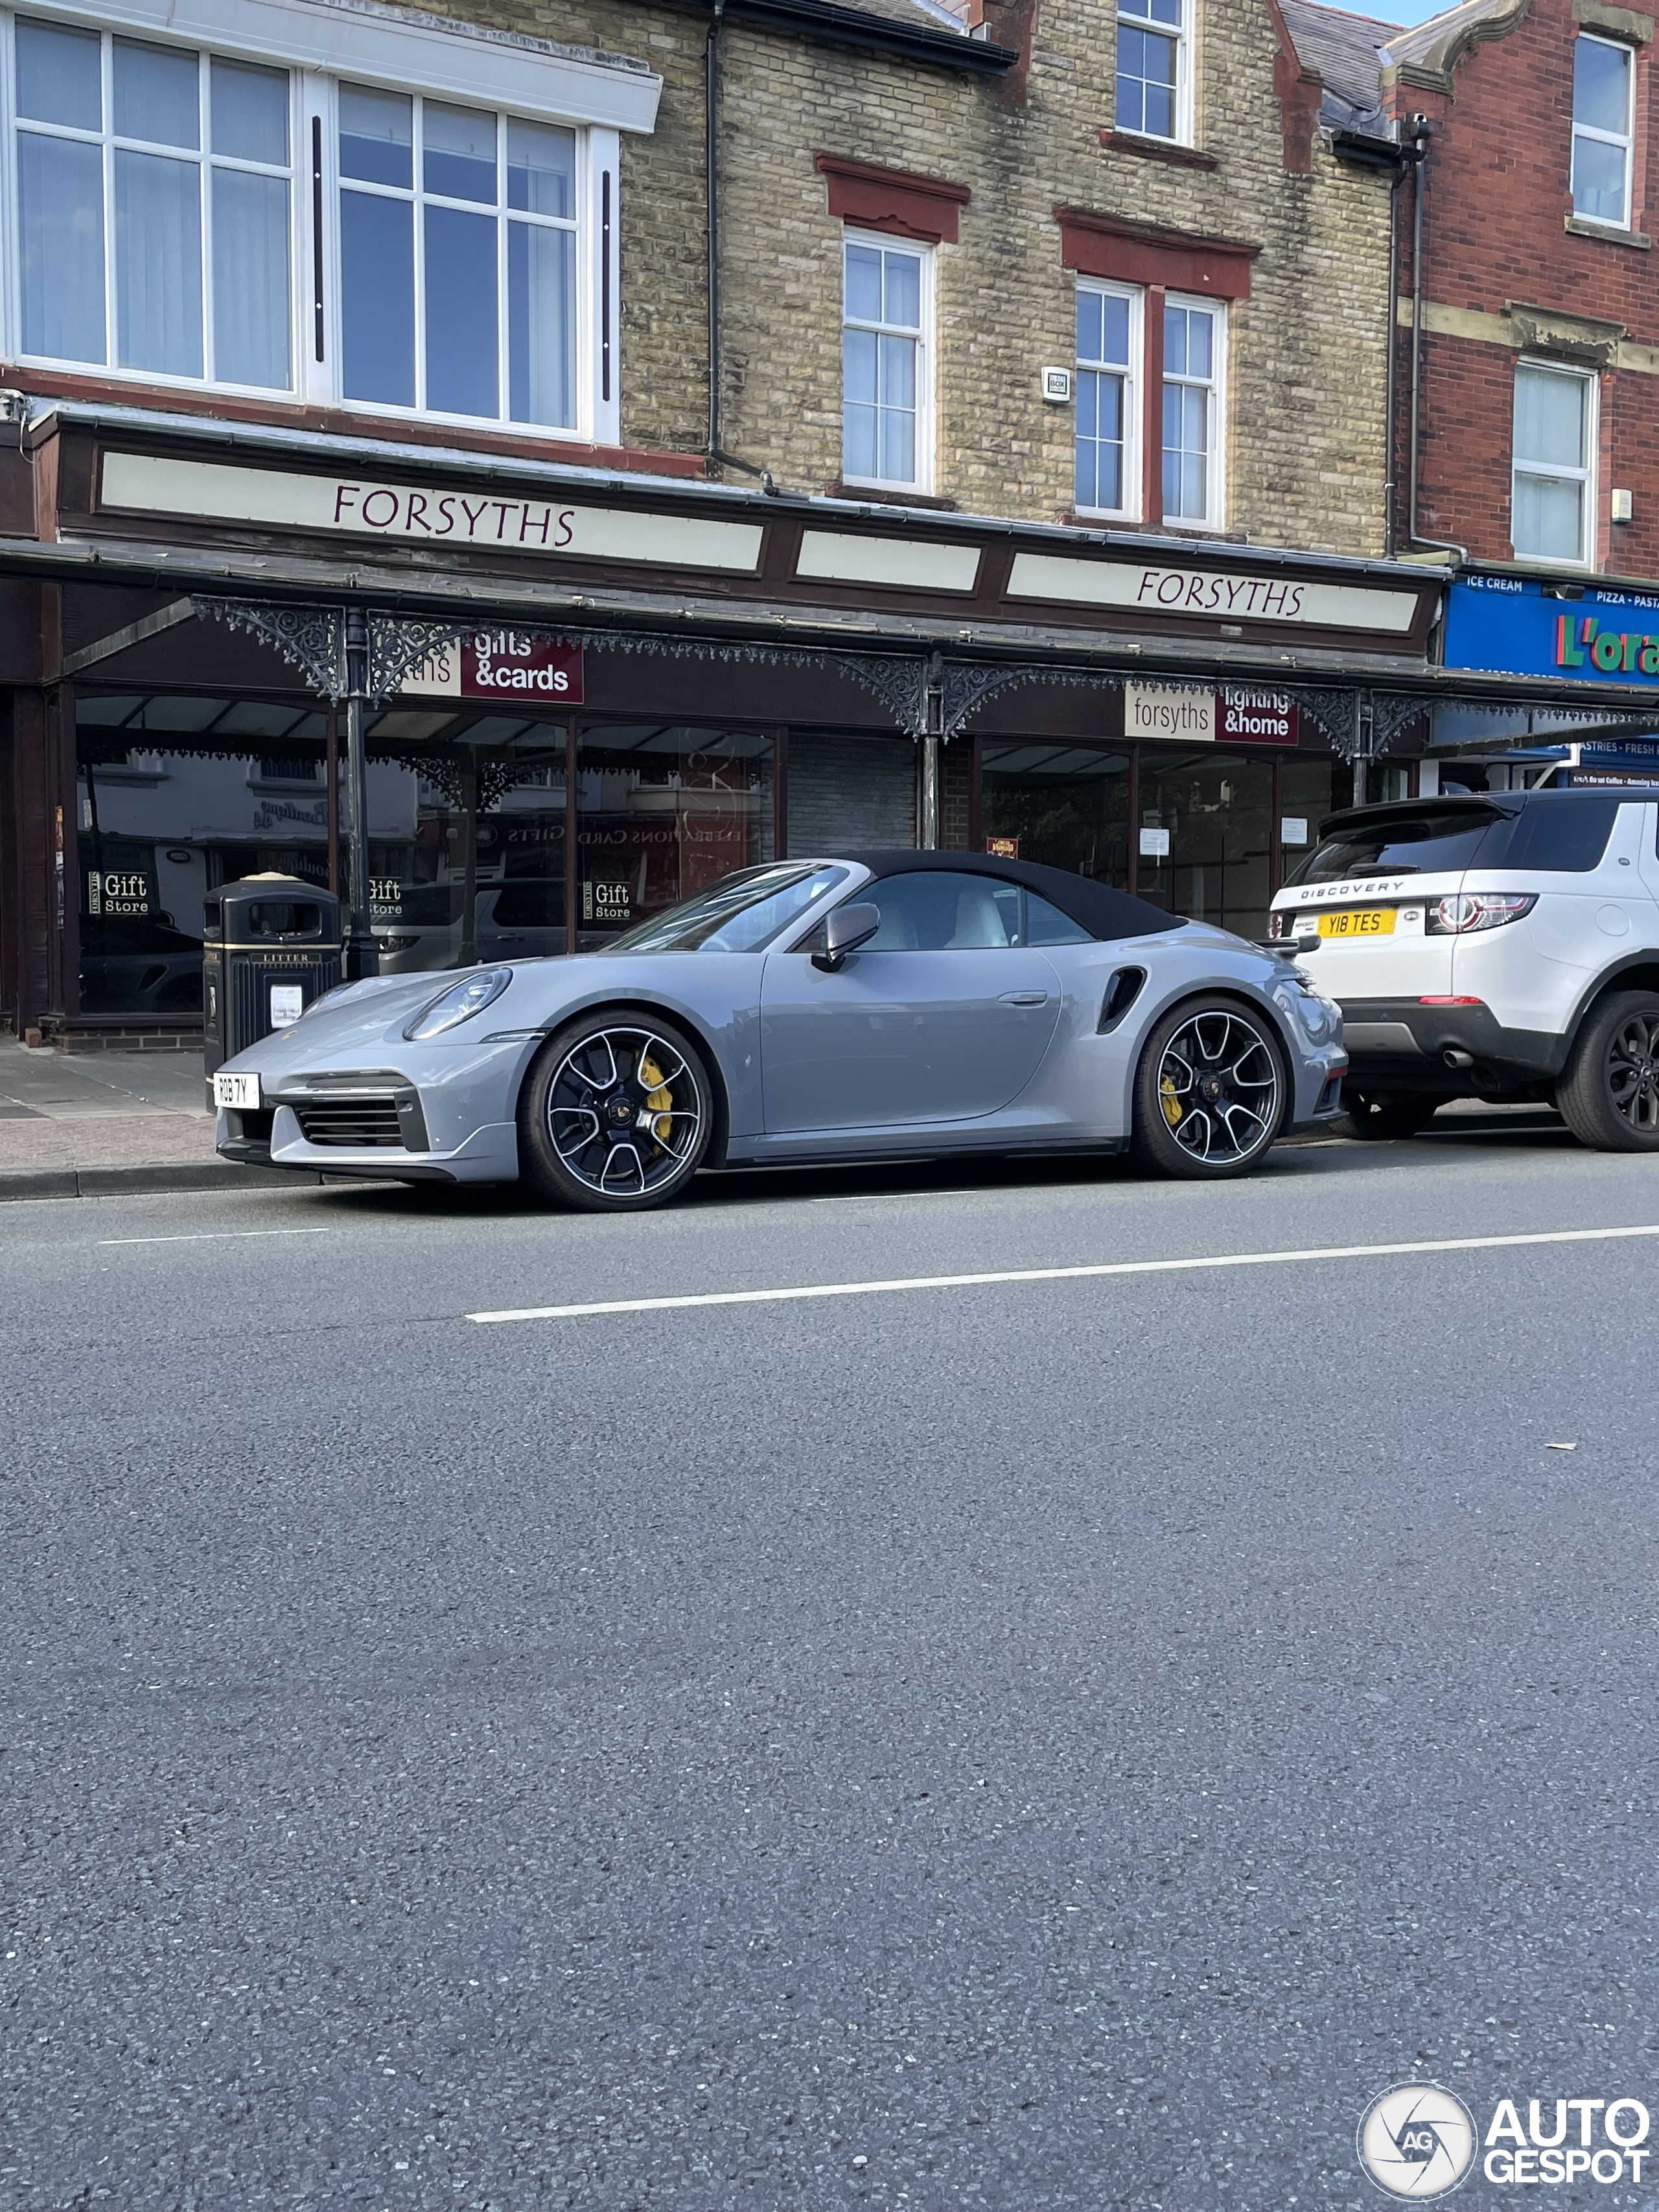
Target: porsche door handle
[(1024, 999)]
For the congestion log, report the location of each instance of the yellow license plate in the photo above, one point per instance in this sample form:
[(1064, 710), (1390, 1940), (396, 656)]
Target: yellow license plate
[(1359, 921)]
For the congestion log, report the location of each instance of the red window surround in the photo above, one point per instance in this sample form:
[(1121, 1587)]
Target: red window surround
[(1158, 261), (1142, 254), (894, 200)]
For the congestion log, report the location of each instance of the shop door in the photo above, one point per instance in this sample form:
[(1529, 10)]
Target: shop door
[(942, 1016), (1205, 835), (1066, 806)]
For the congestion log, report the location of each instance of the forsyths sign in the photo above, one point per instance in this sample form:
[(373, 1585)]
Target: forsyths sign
[(503, 664), (1212, 593), (433, 514)]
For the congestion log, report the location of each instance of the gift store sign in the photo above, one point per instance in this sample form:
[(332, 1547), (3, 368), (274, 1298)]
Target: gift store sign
[(516, 664)]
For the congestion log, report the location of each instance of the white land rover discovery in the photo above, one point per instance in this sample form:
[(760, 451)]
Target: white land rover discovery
[(1502, 946)]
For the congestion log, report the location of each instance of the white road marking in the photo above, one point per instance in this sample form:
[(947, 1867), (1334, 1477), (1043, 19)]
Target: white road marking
[(785, 1297), (888, 1197), (214, 1236)]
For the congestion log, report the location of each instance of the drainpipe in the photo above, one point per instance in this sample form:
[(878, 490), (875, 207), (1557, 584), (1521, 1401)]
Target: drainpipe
[(711, 179), (711, 79), (1390, 439), (933, 734), (361, 953), (1422, 132)]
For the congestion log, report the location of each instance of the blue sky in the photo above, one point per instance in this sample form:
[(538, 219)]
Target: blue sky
[(1406, 11)]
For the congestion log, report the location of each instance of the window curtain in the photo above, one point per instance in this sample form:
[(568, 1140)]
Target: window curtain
[(541, 319), (251, 301), (60, 186), (158, 265)]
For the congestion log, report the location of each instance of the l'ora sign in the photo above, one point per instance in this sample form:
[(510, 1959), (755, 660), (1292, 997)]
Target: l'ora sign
[(1580, 638)]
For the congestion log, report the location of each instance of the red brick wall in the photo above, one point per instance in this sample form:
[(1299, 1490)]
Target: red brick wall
[(1499, 192)]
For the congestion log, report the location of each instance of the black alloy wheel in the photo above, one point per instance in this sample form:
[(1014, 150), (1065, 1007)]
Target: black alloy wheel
[(616, 1114), (1373, 1116), (1608, 1094), (1211, 1092)]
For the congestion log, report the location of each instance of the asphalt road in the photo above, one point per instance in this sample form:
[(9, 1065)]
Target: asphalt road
[(1065, 1743)]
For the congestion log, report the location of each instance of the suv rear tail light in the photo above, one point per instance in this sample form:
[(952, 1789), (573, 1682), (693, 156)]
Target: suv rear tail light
[(1466, 910)]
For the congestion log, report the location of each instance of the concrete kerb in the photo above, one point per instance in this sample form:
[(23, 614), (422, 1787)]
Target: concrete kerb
[(120, 1183)]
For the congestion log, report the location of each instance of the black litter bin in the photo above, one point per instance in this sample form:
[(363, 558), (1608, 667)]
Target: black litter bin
[(272, 946)]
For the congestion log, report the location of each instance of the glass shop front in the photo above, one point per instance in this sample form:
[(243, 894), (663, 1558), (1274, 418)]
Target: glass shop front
[(473, 816), (1204, 831), (497, 837)]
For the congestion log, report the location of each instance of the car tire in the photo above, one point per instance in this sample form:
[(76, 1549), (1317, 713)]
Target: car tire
[(1375, 1116), (1608, 1093), (596, 1133), (1217, 1041)]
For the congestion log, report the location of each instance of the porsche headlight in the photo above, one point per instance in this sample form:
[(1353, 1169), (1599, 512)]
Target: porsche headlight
[(1319, 1018), (460, 1003)]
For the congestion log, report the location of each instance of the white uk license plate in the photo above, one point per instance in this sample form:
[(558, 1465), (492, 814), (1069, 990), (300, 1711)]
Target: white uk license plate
[(241, 1091)]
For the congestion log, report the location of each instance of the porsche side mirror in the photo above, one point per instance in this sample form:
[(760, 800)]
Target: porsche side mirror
[(846, 929)]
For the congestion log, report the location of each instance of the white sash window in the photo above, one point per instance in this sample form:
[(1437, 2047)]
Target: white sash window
[(224, 217)]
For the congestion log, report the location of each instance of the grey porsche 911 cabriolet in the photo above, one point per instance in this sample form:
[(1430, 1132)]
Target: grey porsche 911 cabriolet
[(864, 1006)]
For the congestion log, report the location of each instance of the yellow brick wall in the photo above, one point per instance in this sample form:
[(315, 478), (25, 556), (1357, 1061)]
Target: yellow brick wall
[(1307, 359)]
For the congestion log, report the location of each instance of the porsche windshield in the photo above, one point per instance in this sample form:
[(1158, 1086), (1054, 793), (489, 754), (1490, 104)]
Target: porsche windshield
[(734, 915)]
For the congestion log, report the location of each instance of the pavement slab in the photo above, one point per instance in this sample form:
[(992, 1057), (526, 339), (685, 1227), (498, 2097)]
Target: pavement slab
[(61, 1111)]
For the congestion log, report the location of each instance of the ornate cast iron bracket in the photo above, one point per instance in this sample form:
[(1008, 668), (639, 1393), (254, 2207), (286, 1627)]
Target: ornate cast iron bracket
[(1361, 724), (310, 638), (924, 694), (398, 644), (898, 680)]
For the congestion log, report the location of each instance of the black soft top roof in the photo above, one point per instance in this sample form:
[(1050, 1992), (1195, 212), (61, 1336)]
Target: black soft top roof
[(1104, 913)]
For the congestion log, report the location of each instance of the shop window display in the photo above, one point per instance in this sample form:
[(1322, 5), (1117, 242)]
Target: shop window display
[(1308, 791), (466, 842), (170, 803), (662, 811), (178, 794)]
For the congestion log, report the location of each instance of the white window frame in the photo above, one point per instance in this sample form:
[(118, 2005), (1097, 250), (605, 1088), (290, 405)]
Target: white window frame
[(417, 196), (1625, 140), (203, 160), (381, 47), (1182, 34), (922, 483), (1558, 472), (1215, 481), (1135, 406)]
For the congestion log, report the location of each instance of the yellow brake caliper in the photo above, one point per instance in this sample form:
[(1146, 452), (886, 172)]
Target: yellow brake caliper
[(1173, 1109), (658, 1097)]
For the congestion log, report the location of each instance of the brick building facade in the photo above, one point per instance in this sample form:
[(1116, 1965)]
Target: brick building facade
[(1539, 317), (419, 363), (1525, 350), (1306, 348)]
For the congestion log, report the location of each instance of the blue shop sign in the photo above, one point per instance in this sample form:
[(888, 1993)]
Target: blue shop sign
[(1522, 626)]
